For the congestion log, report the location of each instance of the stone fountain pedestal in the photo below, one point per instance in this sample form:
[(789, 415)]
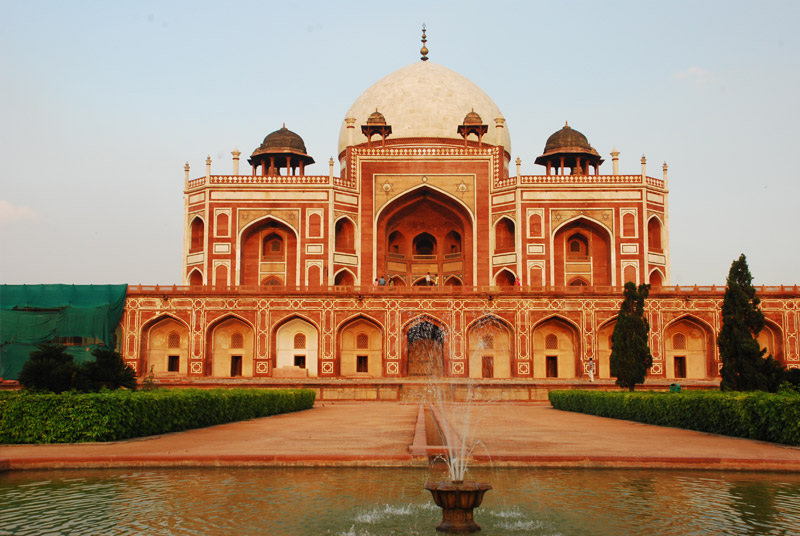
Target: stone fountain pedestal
[(457, 499)]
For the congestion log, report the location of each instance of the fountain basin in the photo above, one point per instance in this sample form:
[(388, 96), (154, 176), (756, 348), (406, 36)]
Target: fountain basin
[(457, 499)]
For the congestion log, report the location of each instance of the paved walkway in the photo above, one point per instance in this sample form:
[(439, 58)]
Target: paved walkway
[(381, 434)]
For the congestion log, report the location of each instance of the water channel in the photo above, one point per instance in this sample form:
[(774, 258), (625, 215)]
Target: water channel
[(382, 501)]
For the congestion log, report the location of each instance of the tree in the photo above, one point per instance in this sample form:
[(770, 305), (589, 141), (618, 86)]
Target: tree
[(744, 367), (630, 353), (49, 368)]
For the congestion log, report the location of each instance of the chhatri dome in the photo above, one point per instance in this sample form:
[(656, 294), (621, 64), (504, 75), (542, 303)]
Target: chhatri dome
[(424, 100)]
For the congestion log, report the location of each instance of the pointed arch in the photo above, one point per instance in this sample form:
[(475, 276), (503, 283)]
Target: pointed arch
[(438, 232), (253, 267), (771, 338), (425, 347), (159, 356), (490, 348), (560, 362), (222, 359), (603, 347), (696, 359), (505, 235), (453, 281), (656, 278), (655, 234), (197, 234), (288, 360), (345, 277), (365, 359), (195, 278), (345, 234), (504, 278), (597, 268)]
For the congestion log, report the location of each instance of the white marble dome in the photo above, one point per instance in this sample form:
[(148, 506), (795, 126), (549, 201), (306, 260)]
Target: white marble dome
[(424, 99)]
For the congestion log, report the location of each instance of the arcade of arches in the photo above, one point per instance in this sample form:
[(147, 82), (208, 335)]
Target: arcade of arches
[(518, 336)]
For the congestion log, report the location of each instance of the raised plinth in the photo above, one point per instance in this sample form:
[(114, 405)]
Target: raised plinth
[(457, 499)]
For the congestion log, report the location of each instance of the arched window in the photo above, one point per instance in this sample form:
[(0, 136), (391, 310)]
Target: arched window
[(452, 242), (654, 235), (535, 225), (578, 282), (237, 340), (315, 225), (174, 340), (196, 278), (198, 235), (397, 243), (345, 235), (628, 225), (679, 341), (504, 234), (272, 247), (551, 342), (222, 224), (630, 273), (272, 281), (362, 341), (299, 340), (424, 244), (344, 278), (577, 247)]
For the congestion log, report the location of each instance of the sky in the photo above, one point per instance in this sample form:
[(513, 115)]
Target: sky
[(102, 103)]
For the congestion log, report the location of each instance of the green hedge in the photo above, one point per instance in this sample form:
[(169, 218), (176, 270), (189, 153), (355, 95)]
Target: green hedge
[(111, 415), (752, 415)]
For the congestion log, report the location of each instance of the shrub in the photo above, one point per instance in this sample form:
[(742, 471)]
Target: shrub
[(752, 415), (72, 417), (49, 368)]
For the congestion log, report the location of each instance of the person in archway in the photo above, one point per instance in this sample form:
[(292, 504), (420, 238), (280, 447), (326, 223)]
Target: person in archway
[(428, 279), (382, 281), (591, 369)]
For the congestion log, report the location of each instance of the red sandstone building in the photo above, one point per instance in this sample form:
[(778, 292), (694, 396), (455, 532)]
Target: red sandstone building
[(280, 267)]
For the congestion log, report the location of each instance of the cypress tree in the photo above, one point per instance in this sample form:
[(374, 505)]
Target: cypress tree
[(630, 353), (744, 367)]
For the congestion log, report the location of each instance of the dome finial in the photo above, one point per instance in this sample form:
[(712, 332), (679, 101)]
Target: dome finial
[(424, 49)]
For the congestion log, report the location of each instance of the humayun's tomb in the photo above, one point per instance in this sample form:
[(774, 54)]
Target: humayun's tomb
[(430, 254)]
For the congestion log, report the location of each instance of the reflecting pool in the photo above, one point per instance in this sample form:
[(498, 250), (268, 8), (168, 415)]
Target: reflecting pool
[(356, 501)]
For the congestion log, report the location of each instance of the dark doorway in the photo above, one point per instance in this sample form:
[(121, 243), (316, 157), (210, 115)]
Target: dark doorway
[(236, 365), (680, 366), (300, 361), (487, 370), (552, 366), (362, 363), (174, 363), (425, 350)]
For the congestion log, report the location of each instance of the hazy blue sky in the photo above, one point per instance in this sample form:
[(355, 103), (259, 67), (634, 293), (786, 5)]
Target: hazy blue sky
[(103, 102)]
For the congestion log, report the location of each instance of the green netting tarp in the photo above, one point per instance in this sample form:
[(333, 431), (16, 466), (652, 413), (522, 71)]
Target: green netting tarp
[(36, 314)]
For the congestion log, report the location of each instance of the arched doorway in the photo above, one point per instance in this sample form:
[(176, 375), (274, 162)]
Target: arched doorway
[(425, 347)]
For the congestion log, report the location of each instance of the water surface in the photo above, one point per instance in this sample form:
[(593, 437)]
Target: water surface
[(374, 501)]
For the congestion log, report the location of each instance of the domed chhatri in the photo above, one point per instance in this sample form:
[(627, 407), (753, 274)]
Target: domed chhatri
[(473, 124), (376, 124), (282, 148), (569, 148), (424, 100)]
